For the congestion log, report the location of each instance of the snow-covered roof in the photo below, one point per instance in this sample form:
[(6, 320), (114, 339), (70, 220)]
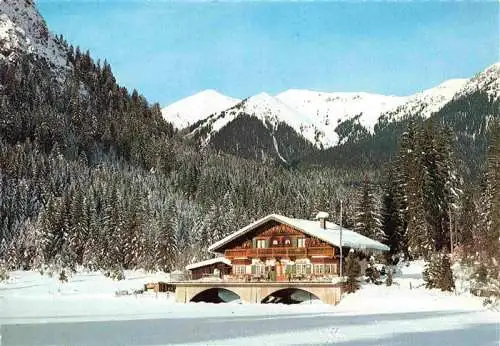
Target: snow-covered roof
[(322, 215), (208, 262), (331, 234)]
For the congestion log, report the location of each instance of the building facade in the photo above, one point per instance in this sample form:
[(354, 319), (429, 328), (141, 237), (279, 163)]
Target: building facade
[(278, 248)]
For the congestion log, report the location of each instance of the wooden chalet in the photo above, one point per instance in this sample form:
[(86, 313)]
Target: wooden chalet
[(278, 248)]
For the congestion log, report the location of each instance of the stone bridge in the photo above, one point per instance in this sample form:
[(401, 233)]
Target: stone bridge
[(256, 292)]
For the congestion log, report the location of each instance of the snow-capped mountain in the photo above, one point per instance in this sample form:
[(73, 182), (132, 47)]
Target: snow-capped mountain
[(426, 102), (327, 110), (314, 115), (192, 109), (264, 107), (24, 31), (487, 81), (317, 115), (328, 119)]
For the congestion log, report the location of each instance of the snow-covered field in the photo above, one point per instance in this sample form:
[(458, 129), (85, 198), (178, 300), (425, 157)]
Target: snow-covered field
[(36, 310)]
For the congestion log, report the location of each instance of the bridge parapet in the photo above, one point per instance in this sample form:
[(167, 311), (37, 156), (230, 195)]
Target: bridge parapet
[(255, 292)]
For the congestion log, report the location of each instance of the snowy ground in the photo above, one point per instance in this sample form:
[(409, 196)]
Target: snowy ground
[(36, 310)]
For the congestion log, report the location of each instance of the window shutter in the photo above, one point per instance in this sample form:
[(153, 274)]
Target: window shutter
[(254, 242), (267, 243), (254, 270), (294, 242), (308, 268)]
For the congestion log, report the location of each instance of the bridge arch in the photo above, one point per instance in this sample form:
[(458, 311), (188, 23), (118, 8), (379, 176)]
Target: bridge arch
[(257, 292), (289, 295), (215, 295)]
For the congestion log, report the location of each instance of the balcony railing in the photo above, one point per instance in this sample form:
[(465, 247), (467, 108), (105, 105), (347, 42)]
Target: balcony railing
[(279, 252)]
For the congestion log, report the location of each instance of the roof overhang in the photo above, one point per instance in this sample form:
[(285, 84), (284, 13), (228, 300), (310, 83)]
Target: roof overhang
[(208, 262)]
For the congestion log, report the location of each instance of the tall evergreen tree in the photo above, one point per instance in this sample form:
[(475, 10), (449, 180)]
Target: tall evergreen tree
[(410, 173), (440, 189), (467, 223), (352, 271), (367, 214), (489, 231), (391, 218)]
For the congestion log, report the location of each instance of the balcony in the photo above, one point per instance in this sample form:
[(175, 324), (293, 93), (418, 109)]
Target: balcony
[(279, 252)]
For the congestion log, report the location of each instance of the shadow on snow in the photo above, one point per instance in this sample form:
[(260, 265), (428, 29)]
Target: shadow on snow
[(289, 296), (204, 329), (215, 295)]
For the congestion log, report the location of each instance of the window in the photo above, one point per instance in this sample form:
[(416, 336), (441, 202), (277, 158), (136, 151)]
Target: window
[(301, 242), (275, 242), (261, 243), (319, 269), (260, 269), (239, 270), (287, 242), (302, 268), (331, 269)]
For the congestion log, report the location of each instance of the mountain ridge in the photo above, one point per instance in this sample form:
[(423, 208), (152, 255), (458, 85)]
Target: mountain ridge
[(322, 117), (189, 110), (332, 120)]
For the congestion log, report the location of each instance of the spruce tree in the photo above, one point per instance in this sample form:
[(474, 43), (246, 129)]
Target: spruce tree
[(438, 273), (440, 188), (489, 230), (352, 271), (446, 282), (367, 221), (391, 218), (410, 181), (467, 223)]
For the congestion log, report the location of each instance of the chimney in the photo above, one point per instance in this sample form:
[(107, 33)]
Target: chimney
[(322, 216)]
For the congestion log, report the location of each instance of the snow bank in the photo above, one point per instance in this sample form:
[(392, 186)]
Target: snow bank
[(37, 310)]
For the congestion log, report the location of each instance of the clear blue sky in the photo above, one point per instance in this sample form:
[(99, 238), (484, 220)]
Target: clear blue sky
[(169, 50)]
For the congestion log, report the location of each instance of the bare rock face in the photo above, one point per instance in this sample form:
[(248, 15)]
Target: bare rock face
[(24, 31)]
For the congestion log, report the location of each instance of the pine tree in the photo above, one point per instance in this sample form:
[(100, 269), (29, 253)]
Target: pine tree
[(391, 218), (489, 230), (446, 282), (78, 230), (94, 247), (367, 216), (165, 244), (438, 273), (440, 189), (467, 222), (214, 223), (352, 271), (36, 240), (410, 173), (132, 241)]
